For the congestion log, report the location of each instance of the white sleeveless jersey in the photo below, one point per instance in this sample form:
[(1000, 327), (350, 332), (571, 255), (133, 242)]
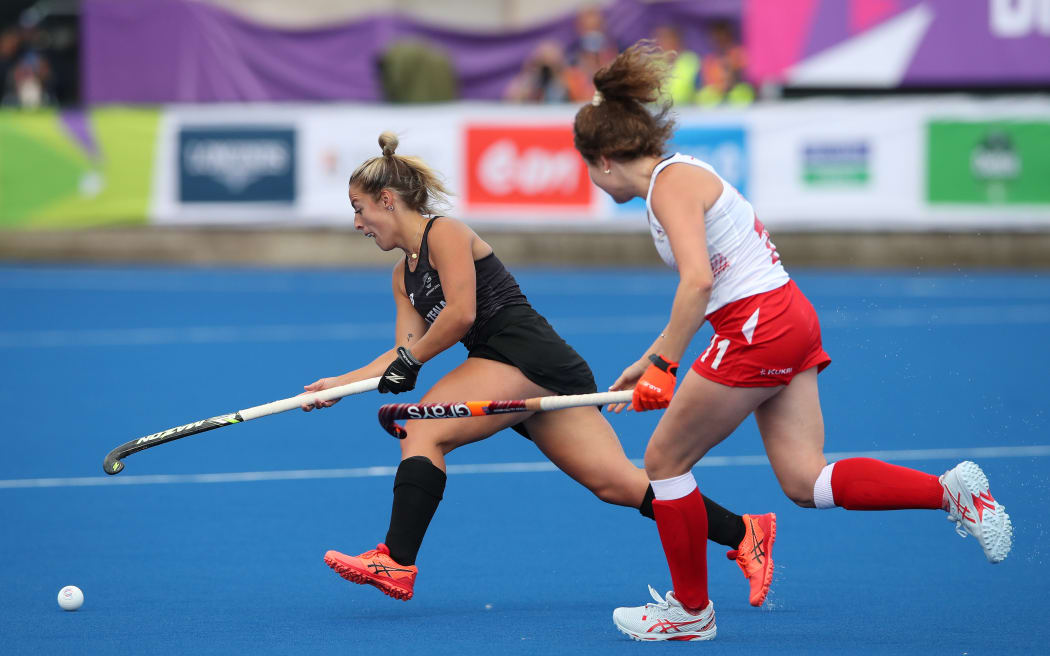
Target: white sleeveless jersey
[(743, 260)]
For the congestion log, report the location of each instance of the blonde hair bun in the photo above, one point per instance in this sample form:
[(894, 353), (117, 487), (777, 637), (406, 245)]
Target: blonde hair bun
[(388, 142)]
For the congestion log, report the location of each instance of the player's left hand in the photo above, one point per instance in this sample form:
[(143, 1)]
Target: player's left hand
[(400, 376), (656, 386)]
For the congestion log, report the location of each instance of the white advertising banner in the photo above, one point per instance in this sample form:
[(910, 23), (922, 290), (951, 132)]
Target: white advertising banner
[(837, 165), (900, 164), (227, 165)]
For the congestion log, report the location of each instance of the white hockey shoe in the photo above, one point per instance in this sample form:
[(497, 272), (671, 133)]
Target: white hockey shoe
[(667, 619), (975, 511)]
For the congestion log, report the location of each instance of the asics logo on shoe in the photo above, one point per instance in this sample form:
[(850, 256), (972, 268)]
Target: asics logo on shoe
[(963, 511), (667, 626), (981, 502), (380, 568), (756, 548), (395, 378)]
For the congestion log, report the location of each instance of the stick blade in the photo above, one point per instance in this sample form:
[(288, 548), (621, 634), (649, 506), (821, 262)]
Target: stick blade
[(112, 465)]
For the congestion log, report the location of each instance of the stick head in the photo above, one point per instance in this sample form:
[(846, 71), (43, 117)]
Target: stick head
[(387, 414), (111, 465)]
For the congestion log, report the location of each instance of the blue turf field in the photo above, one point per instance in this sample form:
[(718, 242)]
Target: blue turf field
[(515, 562)]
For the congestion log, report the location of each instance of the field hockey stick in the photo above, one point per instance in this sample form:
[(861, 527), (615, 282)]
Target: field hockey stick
[(113, 465), (391, 412)]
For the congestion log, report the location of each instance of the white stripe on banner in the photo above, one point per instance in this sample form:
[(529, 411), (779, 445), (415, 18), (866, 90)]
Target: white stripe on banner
[(501, 468)]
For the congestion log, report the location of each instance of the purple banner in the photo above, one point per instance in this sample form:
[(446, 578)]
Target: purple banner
[(169, 51), (893, 43)]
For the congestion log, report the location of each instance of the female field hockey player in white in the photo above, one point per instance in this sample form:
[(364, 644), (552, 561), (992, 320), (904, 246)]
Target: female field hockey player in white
[(512, 353), (763, 359)]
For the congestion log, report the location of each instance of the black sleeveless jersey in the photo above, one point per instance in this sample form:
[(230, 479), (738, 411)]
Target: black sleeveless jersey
[(496, 289)]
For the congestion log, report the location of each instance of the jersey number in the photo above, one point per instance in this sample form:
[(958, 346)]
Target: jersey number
[(763, 234), (722, 346)]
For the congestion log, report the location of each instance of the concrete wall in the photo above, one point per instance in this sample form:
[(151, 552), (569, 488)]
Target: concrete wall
[(342, 248)]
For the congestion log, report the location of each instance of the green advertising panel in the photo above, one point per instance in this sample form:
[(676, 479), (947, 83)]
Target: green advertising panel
[(989, 162), (76, 169)]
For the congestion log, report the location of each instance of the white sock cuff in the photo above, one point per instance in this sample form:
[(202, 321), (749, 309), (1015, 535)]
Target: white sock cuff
[(670, 489), (823, 497)]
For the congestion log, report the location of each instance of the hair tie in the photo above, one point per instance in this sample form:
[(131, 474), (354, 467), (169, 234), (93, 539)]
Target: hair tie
[(598, 98)]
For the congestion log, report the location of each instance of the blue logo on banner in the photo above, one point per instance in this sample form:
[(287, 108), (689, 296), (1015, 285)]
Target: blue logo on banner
[(236, 165), (724, 148)]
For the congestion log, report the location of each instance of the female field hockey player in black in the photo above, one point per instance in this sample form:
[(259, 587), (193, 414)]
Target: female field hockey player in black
[(512, 353)]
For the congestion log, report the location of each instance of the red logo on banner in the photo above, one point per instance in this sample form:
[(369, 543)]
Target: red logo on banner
[(523, 166)]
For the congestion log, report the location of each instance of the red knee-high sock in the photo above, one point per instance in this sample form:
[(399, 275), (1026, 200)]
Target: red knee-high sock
[(868, 484), (683, 531)]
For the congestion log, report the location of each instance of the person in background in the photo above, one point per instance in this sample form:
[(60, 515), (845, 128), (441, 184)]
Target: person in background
[(544, 77), (10, 52), (684, 75), (724, 70), (592, 49)]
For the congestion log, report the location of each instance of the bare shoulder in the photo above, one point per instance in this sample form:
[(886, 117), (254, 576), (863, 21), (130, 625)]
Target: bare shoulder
[(680, 181), (448, 230), (446, 227)]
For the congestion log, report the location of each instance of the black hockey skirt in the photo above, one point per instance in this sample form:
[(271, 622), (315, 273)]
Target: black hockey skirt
[(519, 336)]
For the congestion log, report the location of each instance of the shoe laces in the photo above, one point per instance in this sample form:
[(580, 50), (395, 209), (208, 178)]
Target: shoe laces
[(958, 526), (661, 602)]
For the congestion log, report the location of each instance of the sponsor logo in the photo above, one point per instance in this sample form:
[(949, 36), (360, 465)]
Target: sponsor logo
[(1010, 19), (236, 165), (776, 372), (217, 421), (437, 411), (994, 158), (517, 166), (988, 162), (836, 163)]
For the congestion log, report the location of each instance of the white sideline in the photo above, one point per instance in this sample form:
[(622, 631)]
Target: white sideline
[(501, 468)]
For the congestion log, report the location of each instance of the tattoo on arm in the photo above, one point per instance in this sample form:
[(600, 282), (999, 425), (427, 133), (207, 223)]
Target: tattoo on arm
[(409, 338)]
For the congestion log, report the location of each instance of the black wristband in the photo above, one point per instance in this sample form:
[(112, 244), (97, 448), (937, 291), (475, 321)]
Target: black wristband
[(664, 365), (407, 357)]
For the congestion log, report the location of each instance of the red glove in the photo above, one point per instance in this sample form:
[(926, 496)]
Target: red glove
[(656, 386)]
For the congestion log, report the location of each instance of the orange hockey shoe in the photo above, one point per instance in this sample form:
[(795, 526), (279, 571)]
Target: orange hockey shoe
[(376, 568), (755, 554)]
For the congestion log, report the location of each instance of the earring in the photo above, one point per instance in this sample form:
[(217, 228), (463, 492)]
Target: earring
[(390, 208), (608, 170)]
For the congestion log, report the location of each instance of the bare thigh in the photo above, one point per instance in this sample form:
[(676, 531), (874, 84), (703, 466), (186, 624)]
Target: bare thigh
[(792, 429), (702, 414), (475, 379), (582, 443)]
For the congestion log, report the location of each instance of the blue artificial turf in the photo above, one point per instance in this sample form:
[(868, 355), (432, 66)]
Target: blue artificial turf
[(523, 562)]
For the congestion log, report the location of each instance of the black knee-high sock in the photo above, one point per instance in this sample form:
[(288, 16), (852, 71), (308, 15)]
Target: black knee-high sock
[(723, 527), (418, 488)]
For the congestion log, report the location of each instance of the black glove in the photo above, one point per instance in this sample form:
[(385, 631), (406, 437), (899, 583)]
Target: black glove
[(400, 376)]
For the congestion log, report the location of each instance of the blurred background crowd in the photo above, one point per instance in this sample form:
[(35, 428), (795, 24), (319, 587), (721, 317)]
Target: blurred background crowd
[(40, 50), (39, 53)]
